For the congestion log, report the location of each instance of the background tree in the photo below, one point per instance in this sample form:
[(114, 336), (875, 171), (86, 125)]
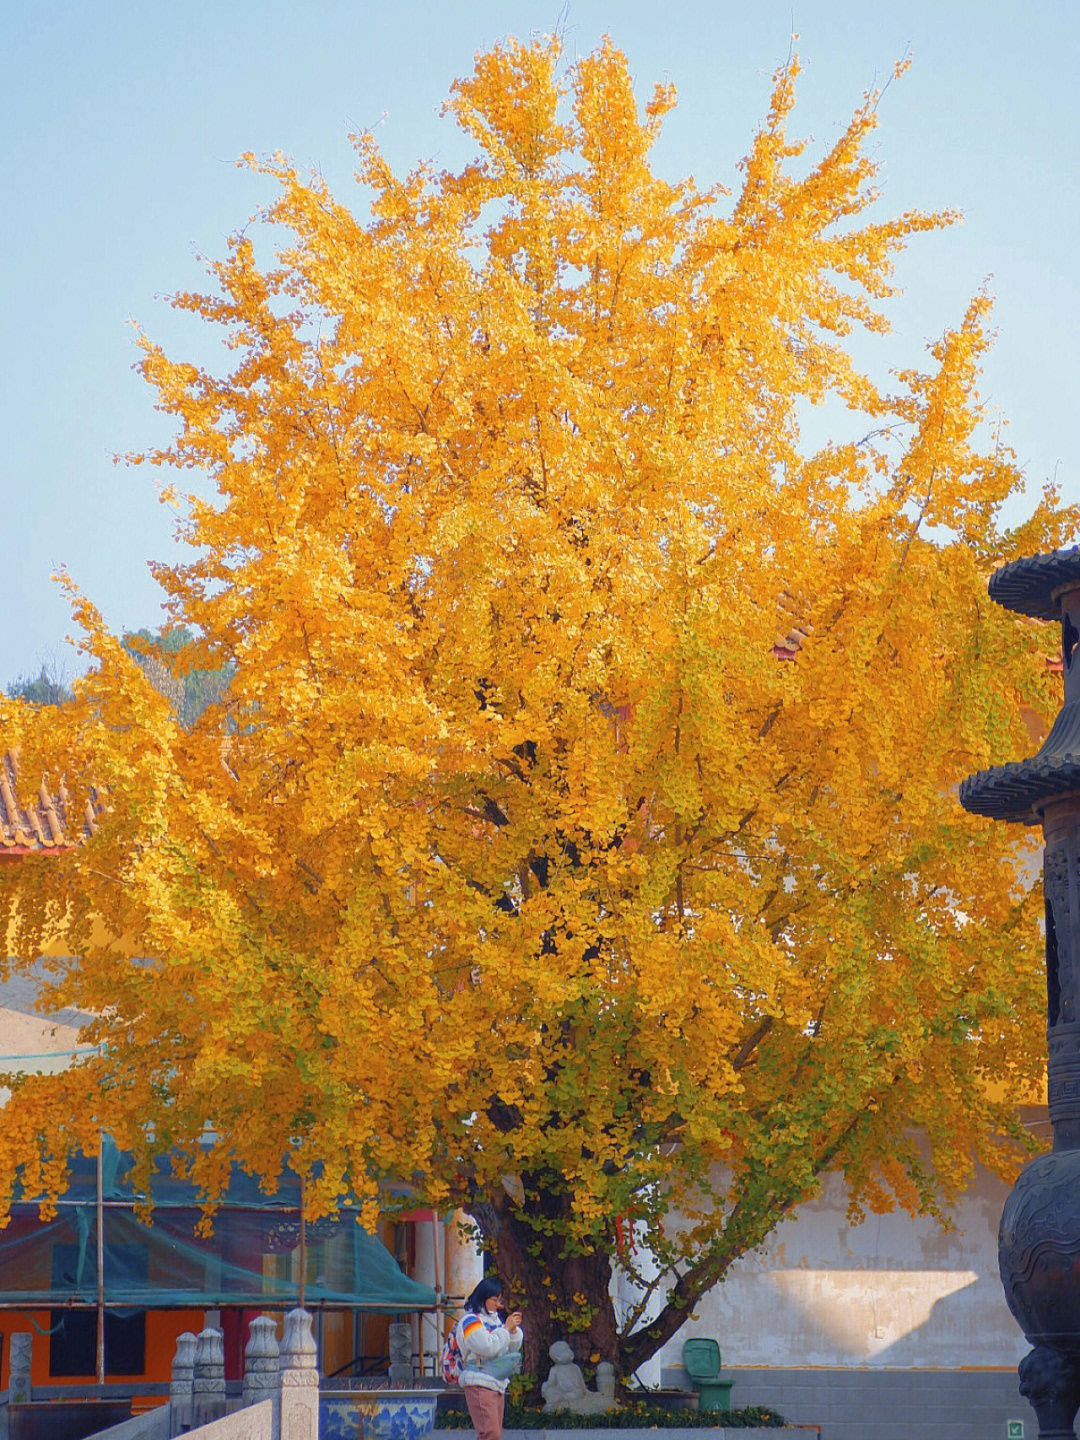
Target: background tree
[(165, 658), (48, 687), (518, 861)]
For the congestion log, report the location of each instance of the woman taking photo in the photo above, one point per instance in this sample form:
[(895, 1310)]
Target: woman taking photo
[(490, 1345)]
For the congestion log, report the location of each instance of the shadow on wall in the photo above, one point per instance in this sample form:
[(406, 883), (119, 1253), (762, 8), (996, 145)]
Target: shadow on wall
[(958, 1321), (897, 1318)]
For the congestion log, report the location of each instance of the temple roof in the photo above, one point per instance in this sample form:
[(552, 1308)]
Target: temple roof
[(45, 825)]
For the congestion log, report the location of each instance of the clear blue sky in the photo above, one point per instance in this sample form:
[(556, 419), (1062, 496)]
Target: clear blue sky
[(122, 121)]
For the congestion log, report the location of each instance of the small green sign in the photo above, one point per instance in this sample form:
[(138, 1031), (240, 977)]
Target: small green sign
[(1015, 1430)]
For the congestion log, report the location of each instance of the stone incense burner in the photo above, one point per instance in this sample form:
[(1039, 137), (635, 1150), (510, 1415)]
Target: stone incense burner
[(1039, 1239)]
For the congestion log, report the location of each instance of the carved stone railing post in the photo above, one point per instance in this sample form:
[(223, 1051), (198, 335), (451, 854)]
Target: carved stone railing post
[(208, 1382), (180, 1385), (299, 1411), (261, 1362), (401, 1352), (21, 1350)]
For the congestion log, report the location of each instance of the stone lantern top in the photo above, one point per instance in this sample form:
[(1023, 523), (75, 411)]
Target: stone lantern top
[(1046, 587)]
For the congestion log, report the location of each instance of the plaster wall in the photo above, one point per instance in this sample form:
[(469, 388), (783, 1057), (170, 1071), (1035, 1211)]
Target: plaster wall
[(30, 1041), (34, 1045), (35, 1036), (892, 1292)]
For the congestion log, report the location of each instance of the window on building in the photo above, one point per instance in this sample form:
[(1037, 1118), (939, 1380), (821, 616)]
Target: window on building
[(73, 1333)]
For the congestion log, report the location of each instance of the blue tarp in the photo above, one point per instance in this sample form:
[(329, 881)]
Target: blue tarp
[(250, 1259)]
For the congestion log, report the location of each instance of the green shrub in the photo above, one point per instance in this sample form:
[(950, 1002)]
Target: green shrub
[(638, 1416)]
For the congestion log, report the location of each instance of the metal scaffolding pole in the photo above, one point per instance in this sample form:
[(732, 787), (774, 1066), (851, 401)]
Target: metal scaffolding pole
[(100, 1269)]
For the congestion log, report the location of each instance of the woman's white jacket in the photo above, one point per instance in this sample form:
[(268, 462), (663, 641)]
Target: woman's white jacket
[(482, 1338)]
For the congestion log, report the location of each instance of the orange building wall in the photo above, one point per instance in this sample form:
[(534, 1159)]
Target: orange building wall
[(162, 1328)]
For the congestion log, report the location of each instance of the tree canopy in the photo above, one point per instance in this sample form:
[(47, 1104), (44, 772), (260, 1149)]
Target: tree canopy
[(518, 860)]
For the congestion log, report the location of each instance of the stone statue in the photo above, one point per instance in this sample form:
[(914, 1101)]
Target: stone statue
[(605, 1382), (565, 1388)]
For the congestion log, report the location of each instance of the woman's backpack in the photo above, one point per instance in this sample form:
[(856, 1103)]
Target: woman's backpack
[(451, 1358)]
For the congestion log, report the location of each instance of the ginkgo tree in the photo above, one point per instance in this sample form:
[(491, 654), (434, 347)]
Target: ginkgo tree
[(519, 863)]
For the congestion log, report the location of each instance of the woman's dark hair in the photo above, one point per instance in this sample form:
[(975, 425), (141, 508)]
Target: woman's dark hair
[(490, 1288)]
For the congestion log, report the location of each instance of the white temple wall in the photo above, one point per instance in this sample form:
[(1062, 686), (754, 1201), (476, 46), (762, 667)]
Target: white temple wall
[(895, 1291)]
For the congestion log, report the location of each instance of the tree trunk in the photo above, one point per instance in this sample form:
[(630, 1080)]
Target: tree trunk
[(573, 1305)]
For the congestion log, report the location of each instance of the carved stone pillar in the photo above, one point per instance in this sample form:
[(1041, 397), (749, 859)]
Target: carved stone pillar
[(208, 1380), (1039, 1239), (181, 1384), (299, 1414), (464, 1262), (401, 1353), (261, 1362), (21, 1354)]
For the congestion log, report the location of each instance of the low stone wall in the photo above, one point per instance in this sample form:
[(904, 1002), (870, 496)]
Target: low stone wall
[(253, 1422), (64, 1419), (880, 1404), (151, 1425)]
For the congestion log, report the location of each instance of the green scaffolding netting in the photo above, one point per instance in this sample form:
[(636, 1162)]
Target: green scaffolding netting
[(252, 1257)]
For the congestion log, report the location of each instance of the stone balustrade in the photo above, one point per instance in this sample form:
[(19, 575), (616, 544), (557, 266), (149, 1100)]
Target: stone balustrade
[(280, 1398)]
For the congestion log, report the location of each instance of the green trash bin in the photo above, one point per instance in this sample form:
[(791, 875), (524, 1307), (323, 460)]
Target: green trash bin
[(702, 1361)]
